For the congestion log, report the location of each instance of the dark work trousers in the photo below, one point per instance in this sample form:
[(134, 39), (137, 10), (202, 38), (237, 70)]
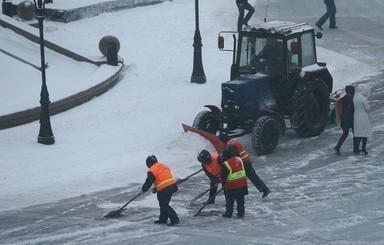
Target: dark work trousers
[(230, 202), (343, 137), (331, 14), (213, 191), (253, 177), (166, 211), (243, 5)]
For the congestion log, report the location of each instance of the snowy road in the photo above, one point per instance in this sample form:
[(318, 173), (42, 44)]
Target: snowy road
[(326, 200), (317, 198)]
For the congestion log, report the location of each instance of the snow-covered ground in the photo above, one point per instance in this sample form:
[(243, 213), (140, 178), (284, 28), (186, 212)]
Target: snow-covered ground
[(103, 144)]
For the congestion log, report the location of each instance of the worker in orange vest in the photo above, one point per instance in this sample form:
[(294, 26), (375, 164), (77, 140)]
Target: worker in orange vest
[(235, 181), (160, 175), (212, 169), (249, 170)]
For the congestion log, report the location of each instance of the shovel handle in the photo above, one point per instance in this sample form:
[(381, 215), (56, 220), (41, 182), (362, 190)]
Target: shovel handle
[(210, 199), (133, 198), (179, 181), (202, 194)]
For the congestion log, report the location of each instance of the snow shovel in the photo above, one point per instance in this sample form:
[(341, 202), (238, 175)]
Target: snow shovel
[(210, 199), (115, 213), (202, 194)]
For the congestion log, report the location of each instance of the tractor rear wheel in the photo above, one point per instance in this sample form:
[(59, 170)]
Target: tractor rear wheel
[(206, 121), (265, 135), (310, 108)]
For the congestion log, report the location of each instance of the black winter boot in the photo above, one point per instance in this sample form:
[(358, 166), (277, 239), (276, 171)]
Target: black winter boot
[(356, 143), (160, 222), (266, 193), (209, 202), (337, 150), (175, 222)]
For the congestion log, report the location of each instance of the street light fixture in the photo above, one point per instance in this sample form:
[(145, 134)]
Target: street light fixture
[(45, 134), (198, 75)]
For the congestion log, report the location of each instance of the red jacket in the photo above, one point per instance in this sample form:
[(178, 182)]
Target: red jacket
[(243, 154), (236, 178)]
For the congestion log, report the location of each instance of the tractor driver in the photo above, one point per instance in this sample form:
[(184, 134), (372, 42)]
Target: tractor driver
[(270, 58)]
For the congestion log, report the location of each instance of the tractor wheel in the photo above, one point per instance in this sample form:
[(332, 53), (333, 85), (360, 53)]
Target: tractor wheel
[(265, 135), (206, 121), (310, 108)]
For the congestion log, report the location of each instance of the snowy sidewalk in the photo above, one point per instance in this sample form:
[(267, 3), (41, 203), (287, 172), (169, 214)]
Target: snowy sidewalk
[(75, 81)]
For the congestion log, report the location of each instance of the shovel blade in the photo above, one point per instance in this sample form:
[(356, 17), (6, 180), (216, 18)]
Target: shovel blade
[(114, 213)]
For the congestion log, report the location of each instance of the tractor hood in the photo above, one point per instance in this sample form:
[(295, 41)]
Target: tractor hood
[(248, 93)]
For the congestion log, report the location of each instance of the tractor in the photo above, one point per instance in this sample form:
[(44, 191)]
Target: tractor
[(275, 83)]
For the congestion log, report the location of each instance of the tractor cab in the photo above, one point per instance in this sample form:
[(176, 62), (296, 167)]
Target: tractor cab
[(274, 48), (275, 78)]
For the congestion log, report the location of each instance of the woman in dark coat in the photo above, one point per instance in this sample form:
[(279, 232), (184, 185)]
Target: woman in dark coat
[(347, 113)]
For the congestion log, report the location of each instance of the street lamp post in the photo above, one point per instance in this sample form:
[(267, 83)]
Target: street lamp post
[(45, 134), (198, 75)]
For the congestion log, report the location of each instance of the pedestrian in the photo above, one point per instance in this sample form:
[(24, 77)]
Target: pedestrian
[(345, 113), (235, 182), (331, 14), (243, 5), (160, 175), (212, 168), (249, 170), (361, 124)]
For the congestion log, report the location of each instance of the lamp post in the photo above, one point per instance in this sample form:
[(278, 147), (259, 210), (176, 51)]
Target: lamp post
[(45, 134), (198, 75)]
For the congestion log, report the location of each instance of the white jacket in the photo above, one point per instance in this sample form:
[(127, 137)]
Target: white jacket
[(361, 123)]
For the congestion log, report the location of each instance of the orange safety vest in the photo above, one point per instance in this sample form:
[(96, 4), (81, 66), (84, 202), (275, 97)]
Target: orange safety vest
[(236, 178), (243, 154), (214, 167), (163, 175)]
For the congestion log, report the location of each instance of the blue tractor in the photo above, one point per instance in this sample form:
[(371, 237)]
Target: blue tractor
[(276, 83)]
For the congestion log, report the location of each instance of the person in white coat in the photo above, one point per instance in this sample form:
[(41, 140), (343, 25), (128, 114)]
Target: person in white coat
[(362, 125)]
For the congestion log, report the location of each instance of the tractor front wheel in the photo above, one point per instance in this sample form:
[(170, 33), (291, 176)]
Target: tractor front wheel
[(265, 135), (206, 121)]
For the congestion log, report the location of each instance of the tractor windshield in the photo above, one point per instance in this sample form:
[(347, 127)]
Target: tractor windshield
[(264, 55)]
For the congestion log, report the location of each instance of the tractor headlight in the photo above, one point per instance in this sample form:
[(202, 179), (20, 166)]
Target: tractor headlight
[(231, 106)]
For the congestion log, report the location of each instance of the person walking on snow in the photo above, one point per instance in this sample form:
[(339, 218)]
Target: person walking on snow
[(249, 170), (235, 181), (345, 111), (331, 14), (212, 168), (243, 5), (160, 175), (361, 124)]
